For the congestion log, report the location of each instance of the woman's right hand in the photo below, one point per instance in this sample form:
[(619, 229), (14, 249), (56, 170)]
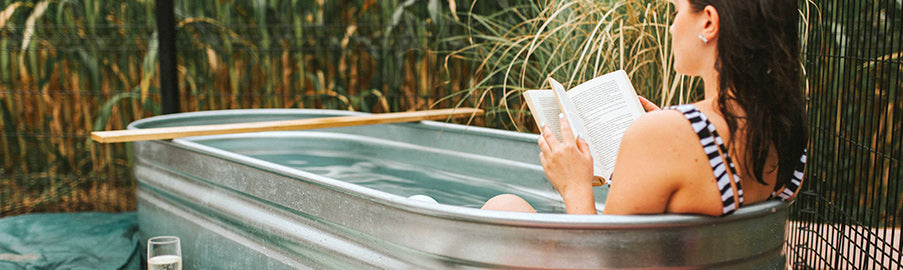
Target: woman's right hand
[(569, 166), (648, 105)]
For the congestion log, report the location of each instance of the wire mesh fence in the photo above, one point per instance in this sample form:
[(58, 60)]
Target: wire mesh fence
[(83, 66), (849, 217)]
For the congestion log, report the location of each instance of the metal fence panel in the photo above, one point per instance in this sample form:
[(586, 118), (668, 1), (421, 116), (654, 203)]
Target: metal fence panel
[(849, 215)]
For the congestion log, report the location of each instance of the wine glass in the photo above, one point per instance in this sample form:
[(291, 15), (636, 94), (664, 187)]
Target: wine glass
[(164, 253)]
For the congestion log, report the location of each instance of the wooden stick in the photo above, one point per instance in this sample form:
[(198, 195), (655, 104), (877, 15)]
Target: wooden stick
[(311, 123)]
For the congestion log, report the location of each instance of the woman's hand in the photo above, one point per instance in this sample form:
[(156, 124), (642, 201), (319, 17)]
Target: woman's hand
[(648, 105), (569, 166)]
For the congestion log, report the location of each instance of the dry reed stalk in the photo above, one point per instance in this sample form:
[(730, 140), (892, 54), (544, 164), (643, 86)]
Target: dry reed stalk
[(354, 77), (430, 77), (7, 13), (285, 87), (409, 79)]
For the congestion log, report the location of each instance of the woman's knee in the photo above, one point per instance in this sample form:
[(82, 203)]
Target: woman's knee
[(508, 202)]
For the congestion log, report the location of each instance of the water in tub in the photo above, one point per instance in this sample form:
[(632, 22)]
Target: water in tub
[(407, 180)]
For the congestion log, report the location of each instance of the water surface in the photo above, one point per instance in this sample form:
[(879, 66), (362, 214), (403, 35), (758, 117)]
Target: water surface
[(446, 186)]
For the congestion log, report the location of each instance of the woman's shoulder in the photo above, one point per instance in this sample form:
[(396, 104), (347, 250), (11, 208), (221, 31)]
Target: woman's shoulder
[(657, 124), (666, 138), (667, 123), (660, 157)]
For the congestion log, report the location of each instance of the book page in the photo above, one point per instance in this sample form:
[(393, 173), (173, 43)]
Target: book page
[(578, 127), (544, 106), (607, 105), (567, 107)]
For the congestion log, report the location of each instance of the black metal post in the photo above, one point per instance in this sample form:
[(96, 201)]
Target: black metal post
[(166, 51)]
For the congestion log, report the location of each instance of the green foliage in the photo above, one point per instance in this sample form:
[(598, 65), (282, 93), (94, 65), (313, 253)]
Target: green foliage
[(522, 44), (75, 66)]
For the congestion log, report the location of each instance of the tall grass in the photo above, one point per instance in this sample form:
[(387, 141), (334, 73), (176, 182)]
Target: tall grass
[(358, 55), (71, 67), (522, 44), (62, 60)]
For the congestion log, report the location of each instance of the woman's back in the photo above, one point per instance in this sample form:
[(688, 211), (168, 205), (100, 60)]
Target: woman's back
[(663, 162)]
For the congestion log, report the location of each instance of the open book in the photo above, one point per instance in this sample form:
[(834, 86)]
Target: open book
[(601, 109)]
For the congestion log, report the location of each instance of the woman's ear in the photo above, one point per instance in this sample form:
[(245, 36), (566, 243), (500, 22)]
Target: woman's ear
[(712, 23)]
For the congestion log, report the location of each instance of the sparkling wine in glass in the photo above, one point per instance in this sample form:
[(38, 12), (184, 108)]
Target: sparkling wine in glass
[(164, 253)]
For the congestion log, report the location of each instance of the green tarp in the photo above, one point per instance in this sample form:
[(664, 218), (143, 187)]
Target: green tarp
[(70, 241)]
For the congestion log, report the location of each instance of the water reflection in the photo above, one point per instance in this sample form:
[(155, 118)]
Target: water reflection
[(444, 185)]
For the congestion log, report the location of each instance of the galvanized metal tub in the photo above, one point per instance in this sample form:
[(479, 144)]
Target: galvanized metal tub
[(233, 209)]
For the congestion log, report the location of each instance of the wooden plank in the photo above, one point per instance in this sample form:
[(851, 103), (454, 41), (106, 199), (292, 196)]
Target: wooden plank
[(300, 124)]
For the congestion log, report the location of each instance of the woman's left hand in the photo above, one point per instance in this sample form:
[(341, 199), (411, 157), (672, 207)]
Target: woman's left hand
[(569, 166), (648, 105)]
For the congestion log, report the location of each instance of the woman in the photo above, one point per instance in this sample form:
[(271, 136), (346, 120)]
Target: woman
[(747, 53)]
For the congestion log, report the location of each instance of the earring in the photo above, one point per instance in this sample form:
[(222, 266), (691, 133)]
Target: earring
[(704, 40)]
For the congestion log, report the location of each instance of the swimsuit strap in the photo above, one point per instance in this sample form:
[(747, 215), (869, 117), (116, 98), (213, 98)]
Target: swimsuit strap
[(728, 181), (789, 191)]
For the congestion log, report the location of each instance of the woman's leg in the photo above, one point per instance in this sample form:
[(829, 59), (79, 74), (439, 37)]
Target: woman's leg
[(508, 202)]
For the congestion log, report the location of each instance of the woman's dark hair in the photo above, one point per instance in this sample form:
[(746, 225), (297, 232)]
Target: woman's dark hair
[(759, 65)]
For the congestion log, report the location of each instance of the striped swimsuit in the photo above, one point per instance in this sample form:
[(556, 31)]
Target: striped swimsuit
[(729, 182)]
